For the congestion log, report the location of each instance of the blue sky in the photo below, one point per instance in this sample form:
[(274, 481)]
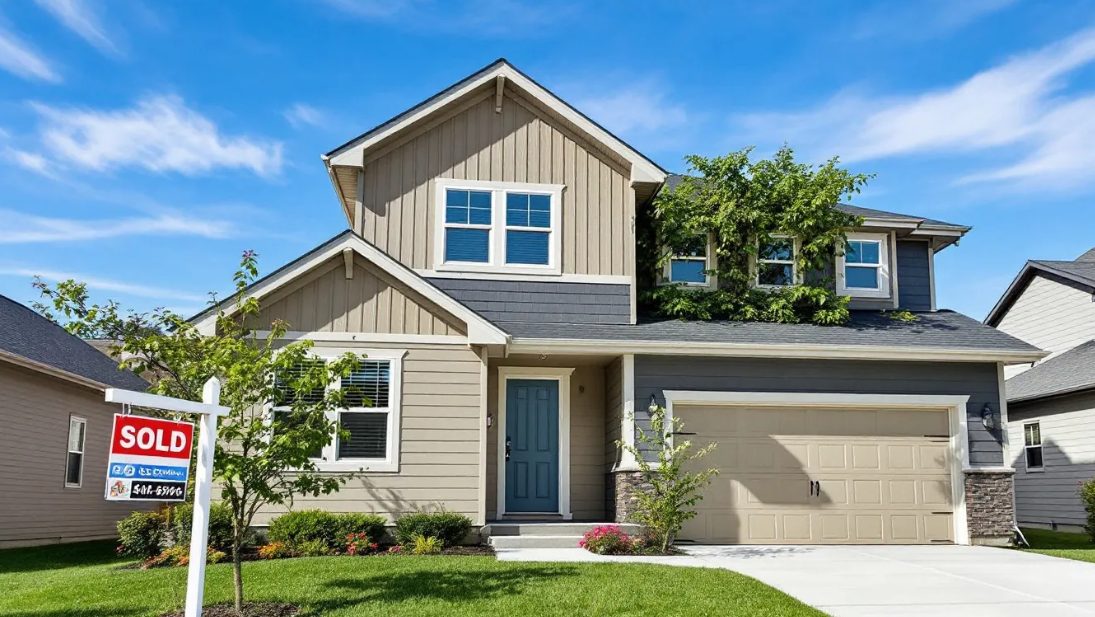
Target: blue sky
[(144, 146)]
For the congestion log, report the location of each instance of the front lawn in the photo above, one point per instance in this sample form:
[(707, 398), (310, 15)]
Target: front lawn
[(1060, 544), (85, 581)]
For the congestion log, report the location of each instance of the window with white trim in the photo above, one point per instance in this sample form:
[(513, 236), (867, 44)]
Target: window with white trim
[(692, 264), (74, 462), (498, 227), (863, 269), (1032, 445), (776, 262)]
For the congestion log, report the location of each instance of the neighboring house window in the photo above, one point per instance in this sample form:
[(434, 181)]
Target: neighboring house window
[(498, 227), (1032, 440), (863, 271), (776, 263), (692, 263), (74, 463)]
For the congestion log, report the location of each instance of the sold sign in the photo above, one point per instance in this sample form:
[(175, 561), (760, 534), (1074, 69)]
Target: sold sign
[(149, 459)]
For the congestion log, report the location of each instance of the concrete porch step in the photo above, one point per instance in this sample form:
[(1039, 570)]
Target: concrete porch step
[(527, 541), (515, 528)]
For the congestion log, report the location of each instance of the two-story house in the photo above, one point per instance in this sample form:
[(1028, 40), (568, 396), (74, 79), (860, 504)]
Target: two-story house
[(489, 272), (1051, 304)]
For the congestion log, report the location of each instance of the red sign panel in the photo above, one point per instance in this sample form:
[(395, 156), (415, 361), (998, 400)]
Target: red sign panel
[(141, 436)]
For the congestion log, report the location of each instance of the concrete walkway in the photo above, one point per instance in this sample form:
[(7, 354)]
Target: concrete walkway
[(868, 581)]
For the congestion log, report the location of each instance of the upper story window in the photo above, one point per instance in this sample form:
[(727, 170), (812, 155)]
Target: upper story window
[(691, 265), (776, 262), (498, 227), (863, 271), (1032, 444)]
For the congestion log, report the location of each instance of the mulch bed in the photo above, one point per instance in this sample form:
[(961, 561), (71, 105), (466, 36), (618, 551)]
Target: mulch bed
[(250, 609)]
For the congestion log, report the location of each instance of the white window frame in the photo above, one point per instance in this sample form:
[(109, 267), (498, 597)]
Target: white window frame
[(710, 260), (82, 422), (883, 267), (793, 262), (329, 461), (497, 243), (1026, 447)]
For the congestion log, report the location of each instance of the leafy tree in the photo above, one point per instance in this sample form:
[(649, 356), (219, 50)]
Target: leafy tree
[(668, 494), (741, 204), (260, 460)]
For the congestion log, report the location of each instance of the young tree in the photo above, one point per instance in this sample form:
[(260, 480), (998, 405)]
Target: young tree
[(260, 460), (669, 493)]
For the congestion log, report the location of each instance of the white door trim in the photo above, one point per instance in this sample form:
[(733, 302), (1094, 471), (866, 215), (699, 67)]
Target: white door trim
[(561, 375), (954, 404)]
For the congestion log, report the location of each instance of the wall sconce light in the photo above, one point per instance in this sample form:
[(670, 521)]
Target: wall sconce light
[(988, 418), (653, 404), (490, 420)]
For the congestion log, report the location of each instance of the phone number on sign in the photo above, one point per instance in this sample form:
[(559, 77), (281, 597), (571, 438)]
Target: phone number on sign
[(157, 490)]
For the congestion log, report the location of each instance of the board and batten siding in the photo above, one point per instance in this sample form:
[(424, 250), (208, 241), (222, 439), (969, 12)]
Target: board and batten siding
[(34, 419), (520, 144), (1067, 425), (439, 441), (372, 301), (1051, 314), (654, 374)]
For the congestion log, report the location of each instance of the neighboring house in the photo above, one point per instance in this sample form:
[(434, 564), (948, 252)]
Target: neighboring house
[(489, 274), (1051, 403), (55, 432)]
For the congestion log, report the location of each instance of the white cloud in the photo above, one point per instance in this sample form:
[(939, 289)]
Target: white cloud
[(30, 161), (923, 19), (482, 17), (633, 109), (301, 114), (18, 58), (159, 134), (80, 17), (1018, 105), (22, 228), (142, 291)]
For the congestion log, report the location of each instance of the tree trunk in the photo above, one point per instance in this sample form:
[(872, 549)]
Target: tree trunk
[(237, 576)]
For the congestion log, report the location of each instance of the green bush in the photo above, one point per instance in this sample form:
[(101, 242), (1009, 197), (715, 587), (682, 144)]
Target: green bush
[(141, 535), (296, 528), (1087, 495), (220, 525), (422, 545), (449, 527), (314, 548)]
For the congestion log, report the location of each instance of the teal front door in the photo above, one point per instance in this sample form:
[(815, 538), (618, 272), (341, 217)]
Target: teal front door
[(532, 445)]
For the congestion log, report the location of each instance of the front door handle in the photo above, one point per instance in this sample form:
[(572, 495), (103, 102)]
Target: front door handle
[(507, 448)]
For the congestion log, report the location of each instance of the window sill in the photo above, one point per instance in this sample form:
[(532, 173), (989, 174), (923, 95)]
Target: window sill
[(488, 269), (67, 485), (865, 294), (362, 466), (1035, 470)]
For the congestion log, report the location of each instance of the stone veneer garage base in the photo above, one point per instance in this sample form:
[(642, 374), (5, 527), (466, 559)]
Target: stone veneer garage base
[(989, 503)]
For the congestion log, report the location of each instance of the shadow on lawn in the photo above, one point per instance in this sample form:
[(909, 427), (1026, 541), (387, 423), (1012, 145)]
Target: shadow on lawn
[(58, 556), (77, 612), (451, 586)]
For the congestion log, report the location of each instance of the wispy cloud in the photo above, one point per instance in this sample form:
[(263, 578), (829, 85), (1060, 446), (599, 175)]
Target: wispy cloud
[(20, 59), (22, 228), (300, 115), (80, 17), (636, 108), (30, 161), (486, 17), (99, 284), (924, 19), (1016, 107), (160, 134)]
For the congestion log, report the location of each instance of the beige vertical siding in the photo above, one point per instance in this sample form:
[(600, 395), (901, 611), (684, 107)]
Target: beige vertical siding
[(518, 145), (439, 452), (1049, 315), (371, 301), (37, 507)]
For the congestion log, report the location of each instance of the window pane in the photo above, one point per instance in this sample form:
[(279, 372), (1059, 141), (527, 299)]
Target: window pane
[(687, 271), (456, 215), (1034, 434), (869, 252), (72, 468), (287, 393), (479, 200), (1034, 457), (285, 421), (75, 436), (775, 274), (472, 245), (861, 277), (368, 435), (368, 386), (696, 246), (540, 211), (456, 198), (516, 210), (527, 247), (781, 249)]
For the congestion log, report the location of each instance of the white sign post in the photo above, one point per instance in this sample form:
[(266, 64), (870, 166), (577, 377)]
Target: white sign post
[(209, 409)]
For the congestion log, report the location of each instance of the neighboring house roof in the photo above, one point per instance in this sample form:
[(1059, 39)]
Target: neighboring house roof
[(1080, 272), (31, 340), (938, 336), (1071, 371)]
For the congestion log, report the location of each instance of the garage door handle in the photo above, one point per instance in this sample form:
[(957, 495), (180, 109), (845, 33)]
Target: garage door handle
[(817, 487)]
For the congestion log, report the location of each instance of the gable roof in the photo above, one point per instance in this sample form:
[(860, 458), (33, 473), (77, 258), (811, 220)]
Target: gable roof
[(351, 153), (1080, 272), (31, 340), (480, 331), (1069, 372)]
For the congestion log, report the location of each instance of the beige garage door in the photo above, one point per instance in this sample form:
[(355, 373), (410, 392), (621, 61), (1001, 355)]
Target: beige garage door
[(822, 476)]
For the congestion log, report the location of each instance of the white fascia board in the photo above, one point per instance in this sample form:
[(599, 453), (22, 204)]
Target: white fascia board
[(890, 224), (832, 352), (816, 399)]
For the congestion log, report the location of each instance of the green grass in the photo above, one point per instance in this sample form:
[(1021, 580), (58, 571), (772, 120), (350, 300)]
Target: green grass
[(86, 580), (1060, 544)]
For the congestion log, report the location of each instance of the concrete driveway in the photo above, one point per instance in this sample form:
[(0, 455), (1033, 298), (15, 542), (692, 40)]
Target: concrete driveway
[(940, 581)]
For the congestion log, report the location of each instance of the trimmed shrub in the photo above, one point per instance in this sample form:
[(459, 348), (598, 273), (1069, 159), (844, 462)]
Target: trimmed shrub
[(1087, 496), (315, 548), (220, 525), (448, 527), (180, 556), (296, 528), (276, 550), (141, 535), (608, 540), (423, 545), (372, 525)]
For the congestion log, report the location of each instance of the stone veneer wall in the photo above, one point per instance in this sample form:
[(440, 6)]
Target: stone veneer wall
[(990, 506), (624, 483)]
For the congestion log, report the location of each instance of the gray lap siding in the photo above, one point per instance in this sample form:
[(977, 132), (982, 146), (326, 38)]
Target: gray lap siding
[(655, 374), (543, 302)]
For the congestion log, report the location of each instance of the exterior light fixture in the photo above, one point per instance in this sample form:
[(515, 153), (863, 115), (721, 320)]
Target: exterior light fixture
[(653, 403), (490, 420), (988, 418)]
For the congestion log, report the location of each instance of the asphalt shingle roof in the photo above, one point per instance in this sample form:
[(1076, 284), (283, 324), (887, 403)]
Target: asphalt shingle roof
[(938, 330), (1083, 269), (1072, 371), (26, 333)]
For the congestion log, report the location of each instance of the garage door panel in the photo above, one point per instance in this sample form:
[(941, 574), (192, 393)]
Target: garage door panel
[(776, 490)]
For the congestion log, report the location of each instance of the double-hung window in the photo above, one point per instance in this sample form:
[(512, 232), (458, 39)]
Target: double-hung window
[(776, 262), (288, 394), (504, 227), (692, 263), (1032, 444), (863, 270), (74, 462)]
